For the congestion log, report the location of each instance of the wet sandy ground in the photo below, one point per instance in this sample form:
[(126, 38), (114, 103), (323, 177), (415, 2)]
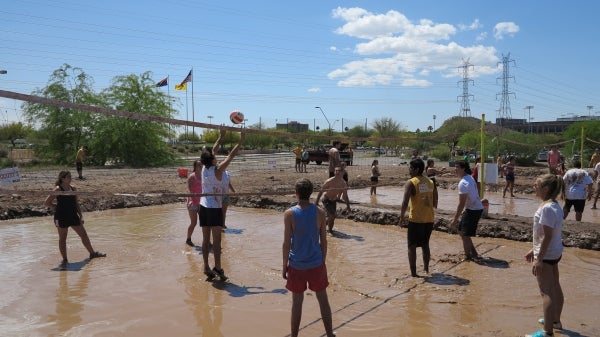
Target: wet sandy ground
[(521, 205), (151, 284)]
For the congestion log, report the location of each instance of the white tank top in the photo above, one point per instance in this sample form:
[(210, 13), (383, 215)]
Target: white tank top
[(210, 184)]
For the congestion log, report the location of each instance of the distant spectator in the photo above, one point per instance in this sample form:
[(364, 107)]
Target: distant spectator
[(577, 183), (595, 158), (298, 153), (553, 159), (334, 157)]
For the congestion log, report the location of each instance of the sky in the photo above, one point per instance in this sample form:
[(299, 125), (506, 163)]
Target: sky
[(359, 61)]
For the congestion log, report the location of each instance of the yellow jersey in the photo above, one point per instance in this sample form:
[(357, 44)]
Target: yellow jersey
[(421, 203)]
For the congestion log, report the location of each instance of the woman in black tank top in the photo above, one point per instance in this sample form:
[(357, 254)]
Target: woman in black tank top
[(67, 213)]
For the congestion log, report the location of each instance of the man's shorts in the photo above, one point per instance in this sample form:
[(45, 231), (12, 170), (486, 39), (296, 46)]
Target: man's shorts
[(419, 233), (79, 165), (315, 278), (298, 160), (330, 207), (211, 217), (578, 205), (193, 207), (468, 222), (374, 179)]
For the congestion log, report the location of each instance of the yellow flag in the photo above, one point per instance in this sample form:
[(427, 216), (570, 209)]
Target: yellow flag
[(182, 86)]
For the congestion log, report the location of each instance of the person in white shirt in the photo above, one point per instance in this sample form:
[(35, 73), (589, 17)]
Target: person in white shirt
[(547, 251), (578, 183), (468, 200), (597, 178)]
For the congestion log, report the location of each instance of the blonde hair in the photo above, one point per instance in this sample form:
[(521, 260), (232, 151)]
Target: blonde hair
[(555, 185)]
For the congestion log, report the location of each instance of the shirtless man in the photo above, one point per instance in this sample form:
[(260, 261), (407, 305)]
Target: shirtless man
[(79, 158), (333, 188), (334, 157)]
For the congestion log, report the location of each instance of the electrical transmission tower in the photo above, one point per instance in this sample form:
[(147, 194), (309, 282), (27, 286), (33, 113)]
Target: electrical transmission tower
[(465, 107), (504, 112)]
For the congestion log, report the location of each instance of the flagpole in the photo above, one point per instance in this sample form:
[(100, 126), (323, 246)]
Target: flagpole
[(187, 115), (170, 102), (193, 113)]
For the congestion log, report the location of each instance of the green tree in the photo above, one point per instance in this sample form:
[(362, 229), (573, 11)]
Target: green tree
[(65, 129), (591, 131), (13, 131), (258, 141), (387, 128), (134, 142)]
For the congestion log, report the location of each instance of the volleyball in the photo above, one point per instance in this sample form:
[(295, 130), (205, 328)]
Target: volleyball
[(236, 117)]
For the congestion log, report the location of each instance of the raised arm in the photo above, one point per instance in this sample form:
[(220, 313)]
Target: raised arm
[(217, 145), (223, 165)]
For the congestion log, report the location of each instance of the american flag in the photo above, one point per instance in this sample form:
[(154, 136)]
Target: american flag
[(188, 78), (163, 82)]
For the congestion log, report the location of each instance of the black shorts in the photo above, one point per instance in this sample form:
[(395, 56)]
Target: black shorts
[(79, 165), (578, 205), (552, 262), (374, 179), (419, 233), (211, 217), (510, 177), (330, 207), (468, 222), (298, 160)]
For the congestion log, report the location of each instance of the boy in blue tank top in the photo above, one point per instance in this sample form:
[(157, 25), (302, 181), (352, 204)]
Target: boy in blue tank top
[(304, 253)]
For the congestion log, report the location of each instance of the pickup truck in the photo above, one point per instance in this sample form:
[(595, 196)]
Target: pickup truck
[(321, 154)]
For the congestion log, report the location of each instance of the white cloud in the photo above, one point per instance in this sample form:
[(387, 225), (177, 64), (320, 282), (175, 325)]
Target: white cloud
[(473, 26), (505, 28), (395, 50), (314, 89), (333, 48)]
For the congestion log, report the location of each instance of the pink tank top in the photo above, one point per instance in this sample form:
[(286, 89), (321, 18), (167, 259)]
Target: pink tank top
[(196, 188)]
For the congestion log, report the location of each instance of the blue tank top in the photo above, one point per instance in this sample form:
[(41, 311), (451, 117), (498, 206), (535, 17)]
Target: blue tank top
[(305, 252)]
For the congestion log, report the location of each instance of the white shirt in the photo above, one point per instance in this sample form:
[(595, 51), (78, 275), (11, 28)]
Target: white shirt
[(576, 181), (210, 184), (468, 186), (549, 214)]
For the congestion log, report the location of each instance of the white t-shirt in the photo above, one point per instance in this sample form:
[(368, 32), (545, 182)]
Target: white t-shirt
[(576, 181), (210, 184), (468, 186), (549, 214), (597, 169)]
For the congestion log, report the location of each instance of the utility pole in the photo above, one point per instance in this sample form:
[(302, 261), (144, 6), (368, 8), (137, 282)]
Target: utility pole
[(590, 107), (505, 101), (465, 108), (529, 107)]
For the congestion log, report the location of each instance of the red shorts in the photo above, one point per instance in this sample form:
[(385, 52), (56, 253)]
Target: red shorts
[(316, 278)]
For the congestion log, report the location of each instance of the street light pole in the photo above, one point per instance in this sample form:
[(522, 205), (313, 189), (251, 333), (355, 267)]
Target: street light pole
[(529, 107), (318, 107), (590, 107), (434, 117)]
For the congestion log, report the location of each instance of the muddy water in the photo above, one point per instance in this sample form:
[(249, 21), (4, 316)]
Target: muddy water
[(151, 284), (522, 205)]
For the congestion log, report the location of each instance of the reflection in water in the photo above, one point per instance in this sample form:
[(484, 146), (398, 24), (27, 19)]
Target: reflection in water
[(509, 206), (204, 300), (69, 301), (419, 314)]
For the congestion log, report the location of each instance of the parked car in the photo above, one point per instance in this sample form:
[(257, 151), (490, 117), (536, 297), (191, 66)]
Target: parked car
[(321, 154), (542, 156)]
